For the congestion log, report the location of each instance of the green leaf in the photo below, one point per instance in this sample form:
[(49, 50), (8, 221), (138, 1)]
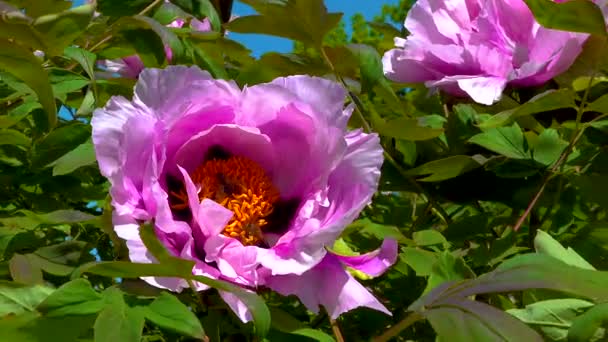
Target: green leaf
[(178, 268), (553, 317), (599, 105), (16, 298), (419, 260), (59, 142), (573, 15), (588, 324), (13, 137), (428, 237), (450, 167), (548, 147), (36, 8), (85, 58), (22, 32), (24, 65), (24, 271), (149, 38), (284, 322), (119, 322), (166, 35), (59, 30), (407, 129), (507, 141), (545, 244), (168, 312), (120, 8), (83, 155), (49, 266), (448, 268), (303, 20), (31, 220), (466, 320), (539, 271), (64, 81), (76, 297), (544, 102), (17, 114), (370, 64)]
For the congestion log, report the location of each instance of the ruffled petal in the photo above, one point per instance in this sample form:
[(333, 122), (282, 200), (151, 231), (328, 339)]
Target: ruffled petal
[(350, 188), (324, 96), (373, 263), (329, 285), (237, 306), (177, 91), (235, 261), (237, 140), (484, 90)]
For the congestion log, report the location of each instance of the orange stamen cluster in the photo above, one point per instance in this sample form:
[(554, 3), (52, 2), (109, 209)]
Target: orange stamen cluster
[(240, 185)]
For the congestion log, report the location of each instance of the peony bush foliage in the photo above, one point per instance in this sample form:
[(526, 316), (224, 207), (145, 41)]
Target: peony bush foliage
[(437, 173)]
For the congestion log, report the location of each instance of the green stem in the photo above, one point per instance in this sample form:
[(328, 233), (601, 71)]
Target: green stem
[(560, 163), (399, 327)]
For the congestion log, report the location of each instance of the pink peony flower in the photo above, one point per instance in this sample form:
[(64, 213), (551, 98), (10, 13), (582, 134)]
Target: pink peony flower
[(251, 184), (477, 47), (131, 66)]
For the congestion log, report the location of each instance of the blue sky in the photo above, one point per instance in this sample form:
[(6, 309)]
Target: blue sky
[(260, 43)]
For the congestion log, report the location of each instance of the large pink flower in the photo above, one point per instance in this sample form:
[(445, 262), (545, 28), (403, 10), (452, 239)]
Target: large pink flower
[(477, 47), (251, 184)]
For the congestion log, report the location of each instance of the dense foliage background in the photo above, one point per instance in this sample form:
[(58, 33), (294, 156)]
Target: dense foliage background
[(500, 211)]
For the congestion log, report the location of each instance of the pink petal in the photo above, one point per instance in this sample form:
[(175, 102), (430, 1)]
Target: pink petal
[(327, 284), (237, 306), (373, 263), (237, 140)]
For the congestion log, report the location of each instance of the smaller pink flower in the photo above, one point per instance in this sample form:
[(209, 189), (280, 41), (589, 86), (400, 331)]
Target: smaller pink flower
[(131, 66), (477, 47)]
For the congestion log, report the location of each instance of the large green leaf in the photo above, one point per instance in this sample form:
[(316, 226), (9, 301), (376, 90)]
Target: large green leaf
[(16, 298), (552, 317), (13, 137), (507, 141), (22, 32), (450, 167), (545, 244), (548, 147), (589, 325), (119, 322), (24, 271), (82, 155), (76, 297), (31, 220), (284, 322), (59, 142), (168, 312), (573, 15), (303, 20), (457, 320), (544, 102), (173, 267), (119, 8), (59, 30), (25, 66), (447, 268), (407, 129)]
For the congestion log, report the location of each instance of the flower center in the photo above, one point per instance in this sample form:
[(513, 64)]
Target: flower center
[(240, 185)]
